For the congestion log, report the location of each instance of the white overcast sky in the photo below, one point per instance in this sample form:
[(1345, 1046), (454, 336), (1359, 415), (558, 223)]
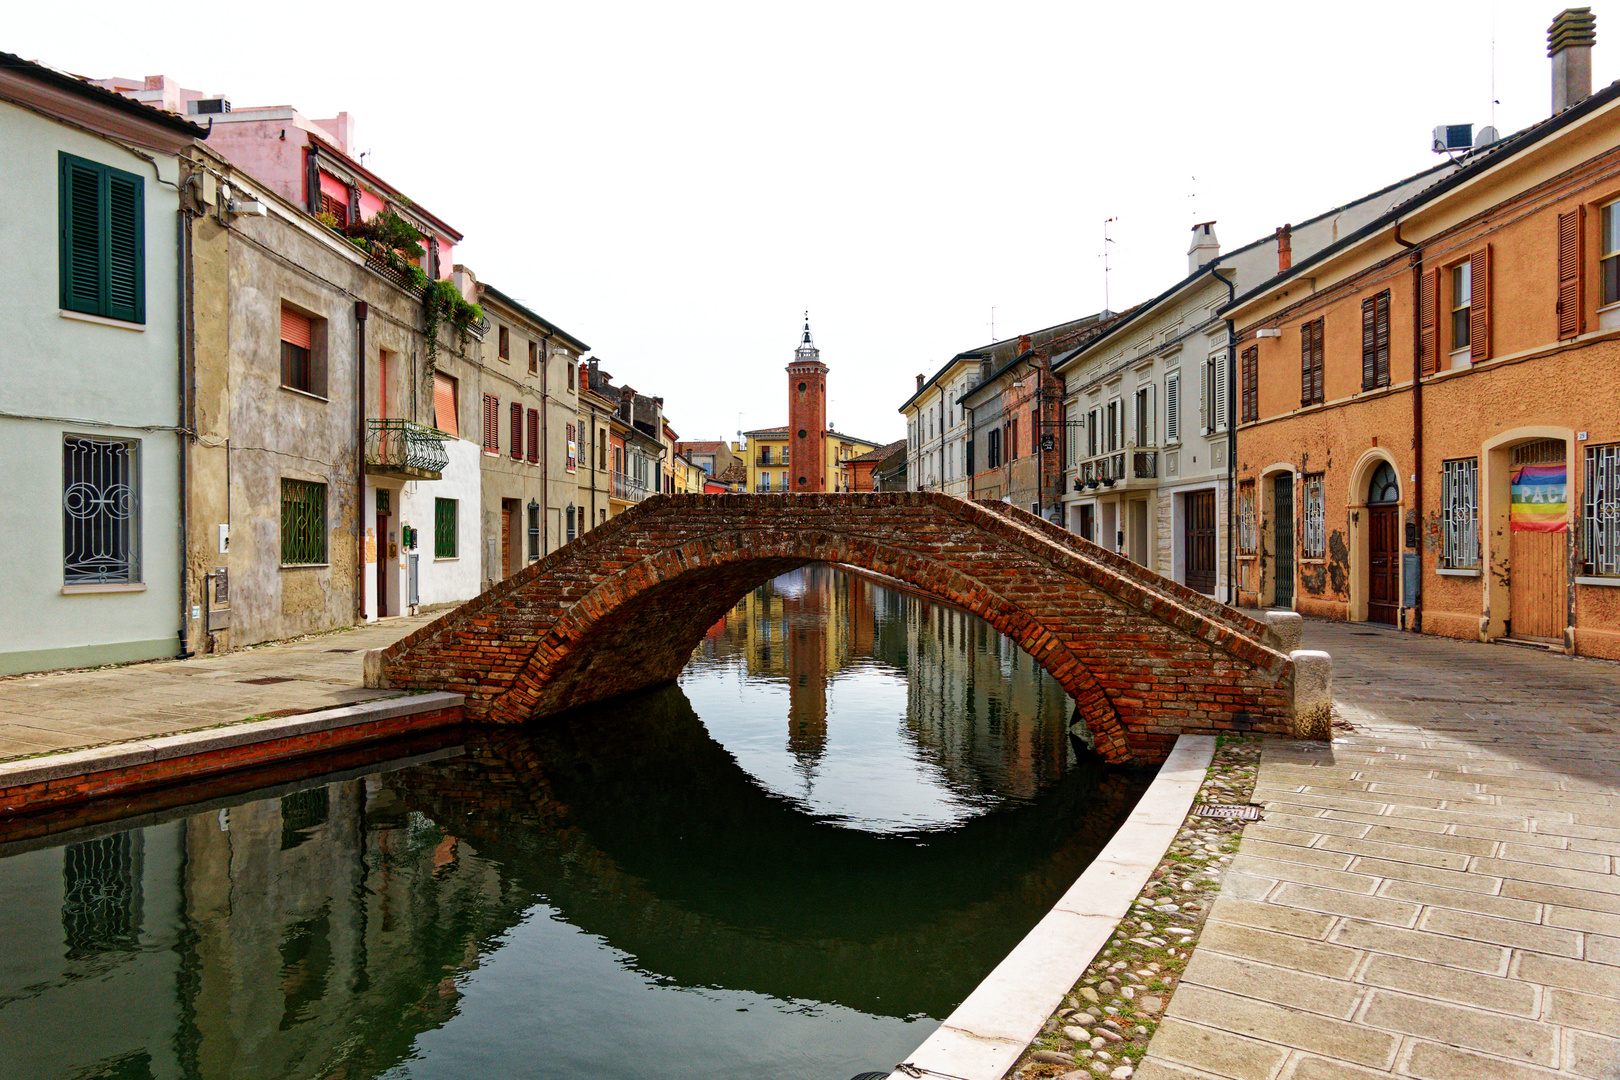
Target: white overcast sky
[(675, 183)]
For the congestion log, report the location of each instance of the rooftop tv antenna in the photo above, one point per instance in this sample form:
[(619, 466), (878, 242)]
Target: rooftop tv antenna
[(1106, 241)]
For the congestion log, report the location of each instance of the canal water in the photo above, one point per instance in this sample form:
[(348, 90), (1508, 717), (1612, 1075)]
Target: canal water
[(792, 864)]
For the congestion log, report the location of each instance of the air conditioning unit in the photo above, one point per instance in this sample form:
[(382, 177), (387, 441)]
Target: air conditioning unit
[(1453, 138), (210, 105)]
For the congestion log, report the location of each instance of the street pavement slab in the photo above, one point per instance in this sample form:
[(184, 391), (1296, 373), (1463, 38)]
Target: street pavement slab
[(1435, 894)]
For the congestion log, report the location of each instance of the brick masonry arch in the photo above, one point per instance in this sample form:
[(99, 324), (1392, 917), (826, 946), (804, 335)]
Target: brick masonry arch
[(624, 606)]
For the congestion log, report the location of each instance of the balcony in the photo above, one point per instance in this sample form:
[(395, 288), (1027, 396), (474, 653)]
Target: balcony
[(767, 459), (627, 488), (1121, 468), (404, 450)]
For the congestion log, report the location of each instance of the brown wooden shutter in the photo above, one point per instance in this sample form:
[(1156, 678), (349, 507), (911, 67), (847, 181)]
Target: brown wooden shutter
[(444, 403), (517, 432), (1369, 343), (1381, 331), (1571, 273), (1251, 383), (492, 419), (1306, 379), (534, 435), (1428, 327), (1479, 304), (1318, 360)]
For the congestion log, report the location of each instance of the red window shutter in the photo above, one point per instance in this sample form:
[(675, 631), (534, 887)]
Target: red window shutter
[(534, 435), (444, 403), (1318, 361), (1251, 380), (492, 419), (296, 329), (517, 432), (1479, 305), (1369, 343), (1571, 274), (1428, 292), (1381, 330)]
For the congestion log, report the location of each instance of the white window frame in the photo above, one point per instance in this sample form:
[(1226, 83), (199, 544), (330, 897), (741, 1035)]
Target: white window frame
[(1172, 408)]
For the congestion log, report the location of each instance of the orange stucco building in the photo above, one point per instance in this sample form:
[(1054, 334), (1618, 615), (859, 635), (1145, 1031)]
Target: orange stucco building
[(1429, 410)]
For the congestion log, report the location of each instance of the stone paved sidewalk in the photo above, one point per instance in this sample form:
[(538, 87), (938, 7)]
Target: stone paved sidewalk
[(1435, 895), (76, 709)]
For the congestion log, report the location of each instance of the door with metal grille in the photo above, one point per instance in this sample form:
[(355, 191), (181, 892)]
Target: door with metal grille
[(1282, 530), (1538, 531), (1198, 540)]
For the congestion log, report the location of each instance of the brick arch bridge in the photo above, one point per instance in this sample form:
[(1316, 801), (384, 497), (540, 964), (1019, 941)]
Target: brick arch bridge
[(624, 606)]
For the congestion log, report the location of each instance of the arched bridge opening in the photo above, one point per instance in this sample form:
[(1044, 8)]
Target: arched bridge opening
[(624, 606)]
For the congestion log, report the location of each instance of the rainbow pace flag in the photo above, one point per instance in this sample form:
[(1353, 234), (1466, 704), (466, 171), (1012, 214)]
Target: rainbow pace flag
[(1539, 500)]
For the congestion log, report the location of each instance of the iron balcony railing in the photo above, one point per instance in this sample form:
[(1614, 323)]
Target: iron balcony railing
[(401, 448), (628, 488), (767, 459), (1120, 466)]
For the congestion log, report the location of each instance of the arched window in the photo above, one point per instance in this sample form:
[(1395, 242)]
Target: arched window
[(1385, 486)]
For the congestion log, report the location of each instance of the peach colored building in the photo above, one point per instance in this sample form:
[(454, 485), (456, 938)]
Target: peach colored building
[(1429, 419)]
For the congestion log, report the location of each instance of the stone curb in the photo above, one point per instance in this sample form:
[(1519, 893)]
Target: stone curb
[(144, 751), (993, 1026)]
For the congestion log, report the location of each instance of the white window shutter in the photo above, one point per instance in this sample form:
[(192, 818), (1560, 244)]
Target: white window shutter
[(1172, 407), (1220, 392), (1151, 428)]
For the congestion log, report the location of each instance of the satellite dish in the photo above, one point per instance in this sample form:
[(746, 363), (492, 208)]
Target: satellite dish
[(1486, 136)]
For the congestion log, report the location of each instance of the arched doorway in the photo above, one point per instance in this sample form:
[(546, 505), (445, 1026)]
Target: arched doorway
[(1383, 545)]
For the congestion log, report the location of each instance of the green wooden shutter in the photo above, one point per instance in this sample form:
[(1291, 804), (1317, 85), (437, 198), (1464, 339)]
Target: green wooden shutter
[(83, 210), (102, 240), (126, 249)]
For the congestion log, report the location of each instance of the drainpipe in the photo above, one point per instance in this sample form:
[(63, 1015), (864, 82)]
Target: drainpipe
[(183, 319), (361, 310), (1231, 439), (1417, 409)]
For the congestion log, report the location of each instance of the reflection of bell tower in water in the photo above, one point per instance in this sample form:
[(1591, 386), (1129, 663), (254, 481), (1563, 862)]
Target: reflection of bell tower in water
[(807, 617)]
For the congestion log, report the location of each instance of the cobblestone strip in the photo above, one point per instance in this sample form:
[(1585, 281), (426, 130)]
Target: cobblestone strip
[(1106, 1022)]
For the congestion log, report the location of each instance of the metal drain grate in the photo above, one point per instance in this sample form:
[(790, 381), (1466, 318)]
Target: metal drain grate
[(1226, 810)]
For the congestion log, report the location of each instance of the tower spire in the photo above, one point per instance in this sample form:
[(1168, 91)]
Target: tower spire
[(807, 347)]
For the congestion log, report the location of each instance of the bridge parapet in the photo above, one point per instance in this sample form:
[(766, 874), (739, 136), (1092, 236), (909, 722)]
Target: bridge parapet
[(623, 607)]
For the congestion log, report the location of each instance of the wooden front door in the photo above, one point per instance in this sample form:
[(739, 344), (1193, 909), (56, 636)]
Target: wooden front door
[(1538, 532), (509, 509), (382, 564), (1383, 564), (1198, 541), (1282, 530)]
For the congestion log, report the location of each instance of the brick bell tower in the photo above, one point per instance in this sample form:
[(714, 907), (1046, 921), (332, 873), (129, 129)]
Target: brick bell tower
[(807, 416)]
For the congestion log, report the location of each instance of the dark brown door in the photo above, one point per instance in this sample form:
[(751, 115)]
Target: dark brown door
[(1383, 564), (382, 564), (1198, 541)]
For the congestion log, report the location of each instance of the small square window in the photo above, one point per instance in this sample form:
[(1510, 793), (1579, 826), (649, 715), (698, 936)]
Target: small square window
[(303, 523), (303, 352), (101, 511)]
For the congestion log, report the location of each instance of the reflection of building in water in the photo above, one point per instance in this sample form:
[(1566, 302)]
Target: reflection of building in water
[(981, 707), (283, 929)]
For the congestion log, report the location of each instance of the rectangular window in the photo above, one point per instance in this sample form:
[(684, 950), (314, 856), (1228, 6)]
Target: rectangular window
[(517, 431), (992, 458), (534, 358), (1313, 531), (1460, 304), (1609, 256), (1459, 514), (300, 366), (303, 523), (1248, 521), (1093, 433), (570, 378), (444, 528), (1600, 512), (492, 424), (1215, 404), (602, 448), (444, 403), (1375, 341), (1312, 363), (1251, 384), (568, 524), (534, 436), (1012, 441), (1113, 426), (1144, 415), (1172, 408), (102, 230), (505, 344), (101, 511), (573, 448)]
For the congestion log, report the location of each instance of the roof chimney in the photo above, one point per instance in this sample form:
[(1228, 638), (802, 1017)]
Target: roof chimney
[(1569, 42), (1205, 248), (919, 381), (1285, 247), (1023, 344)]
